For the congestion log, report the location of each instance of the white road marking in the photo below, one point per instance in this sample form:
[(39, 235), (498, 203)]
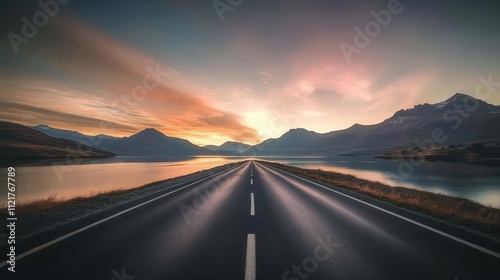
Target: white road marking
[(43, 246), (252, 205), (251, 181), (250, 270), (465, 242)]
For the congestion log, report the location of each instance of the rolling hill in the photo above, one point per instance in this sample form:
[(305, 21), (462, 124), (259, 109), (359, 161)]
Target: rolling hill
[(20, 144)]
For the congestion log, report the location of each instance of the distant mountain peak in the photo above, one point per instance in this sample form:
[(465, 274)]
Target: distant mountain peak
[(42, 126), (232, 146), (148, 134), (456, 98), (462, 102), (356, 125), (298, 133), (230, 143), (150, 129), (456, 103), (299, 130)]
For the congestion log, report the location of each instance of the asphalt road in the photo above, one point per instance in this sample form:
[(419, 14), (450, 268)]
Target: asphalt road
[(255, 222)]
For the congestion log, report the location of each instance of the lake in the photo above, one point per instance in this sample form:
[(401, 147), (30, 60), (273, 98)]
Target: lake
[(478, 183)]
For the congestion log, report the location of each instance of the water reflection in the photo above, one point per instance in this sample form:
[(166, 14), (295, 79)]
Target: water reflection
[(475, 182), (479, 183), (97, 176)]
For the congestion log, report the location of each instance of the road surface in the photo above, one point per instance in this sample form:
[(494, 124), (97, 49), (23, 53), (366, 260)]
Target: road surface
[(256, 222)]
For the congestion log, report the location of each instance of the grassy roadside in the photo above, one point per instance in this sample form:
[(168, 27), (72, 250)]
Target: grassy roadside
[(460, 211), (54, 201), (40, 204)]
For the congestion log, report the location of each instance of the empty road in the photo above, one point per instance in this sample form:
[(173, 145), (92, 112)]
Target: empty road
[(256, 222)]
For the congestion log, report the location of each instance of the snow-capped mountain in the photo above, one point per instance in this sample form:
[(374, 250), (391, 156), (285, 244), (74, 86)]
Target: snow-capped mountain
[(464, 103), (423, 114), (462, 119)]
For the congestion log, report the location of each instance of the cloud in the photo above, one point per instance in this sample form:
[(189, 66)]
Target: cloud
[(113, 73), (29, 115), (35, 102), (330, 94)]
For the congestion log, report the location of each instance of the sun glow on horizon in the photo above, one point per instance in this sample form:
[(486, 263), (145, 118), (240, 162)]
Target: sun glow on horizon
[(239, 80)]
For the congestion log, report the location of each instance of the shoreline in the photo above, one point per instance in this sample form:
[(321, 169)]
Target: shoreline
[(474, 154)]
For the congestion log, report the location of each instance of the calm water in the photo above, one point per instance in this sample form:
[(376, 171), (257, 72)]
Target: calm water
[(102, 175), (478, 183)]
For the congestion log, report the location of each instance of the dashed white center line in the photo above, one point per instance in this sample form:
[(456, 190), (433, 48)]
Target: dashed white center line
[(250, 260), (252, 205), (251, 181)]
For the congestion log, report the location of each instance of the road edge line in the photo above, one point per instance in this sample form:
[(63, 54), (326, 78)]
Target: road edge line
[(442, 233), (50, 243)]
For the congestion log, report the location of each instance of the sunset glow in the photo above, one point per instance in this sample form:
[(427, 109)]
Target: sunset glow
[(184, 72)]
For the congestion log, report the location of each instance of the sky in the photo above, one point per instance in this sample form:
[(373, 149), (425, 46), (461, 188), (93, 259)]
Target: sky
[(239, 70)]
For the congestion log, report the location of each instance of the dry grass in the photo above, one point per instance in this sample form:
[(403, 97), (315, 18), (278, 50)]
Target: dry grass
[(461, 211), (54, 200)]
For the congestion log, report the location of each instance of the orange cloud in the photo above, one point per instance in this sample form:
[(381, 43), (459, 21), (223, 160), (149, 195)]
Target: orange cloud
[(138, 84)]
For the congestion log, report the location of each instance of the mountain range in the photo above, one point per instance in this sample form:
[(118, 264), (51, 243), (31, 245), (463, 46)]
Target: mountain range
[(148, 142), (460, 119)]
